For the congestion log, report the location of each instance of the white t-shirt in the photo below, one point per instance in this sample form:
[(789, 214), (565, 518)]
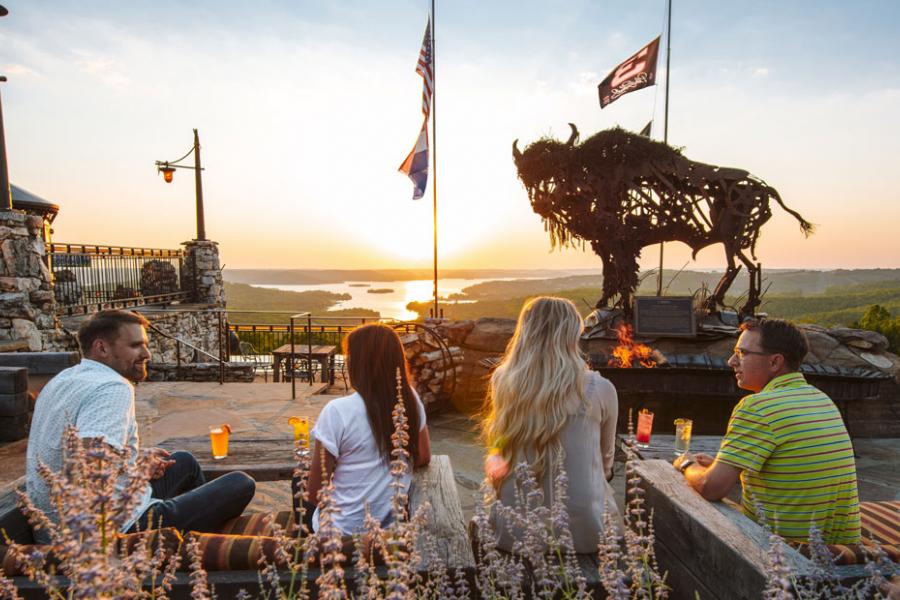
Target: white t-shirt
[(361, 475)]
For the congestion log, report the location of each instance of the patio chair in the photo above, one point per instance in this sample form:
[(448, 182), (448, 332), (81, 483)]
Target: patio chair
[(340, 366), (260, 363), (300, 369)]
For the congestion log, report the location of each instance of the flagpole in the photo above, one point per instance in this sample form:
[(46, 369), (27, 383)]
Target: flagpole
[(434, 152), (659, 278)]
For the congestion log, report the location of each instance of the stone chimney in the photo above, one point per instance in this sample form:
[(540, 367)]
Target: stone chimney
[(27, 304)]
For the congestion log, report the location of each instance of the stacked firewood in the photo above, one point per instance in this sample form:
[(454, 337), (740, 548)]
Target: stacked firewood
[(434, 367)]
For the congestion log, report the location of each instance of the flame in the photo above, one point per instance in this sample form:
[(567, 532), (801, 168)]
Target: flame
[(628, 351)]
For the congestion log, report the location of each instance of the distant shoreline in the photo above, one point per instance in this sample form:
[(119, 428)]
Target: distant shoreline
[(355, 277), (351, 276)]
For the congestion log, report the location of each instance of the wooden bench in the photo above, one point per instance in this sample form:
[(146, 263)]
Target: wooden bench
[(433, 484), (711, 547)]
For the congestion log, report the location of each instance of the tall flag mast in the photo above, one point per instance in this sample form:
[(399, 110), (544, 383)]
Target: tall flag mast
[(659, 276), (416, 164), (638, 72)]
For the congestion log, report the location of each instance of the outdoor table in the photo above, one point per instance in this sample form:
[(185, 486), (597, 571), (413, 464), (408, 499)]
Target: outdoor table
[(662, 446), (263, 459), (323, 354)]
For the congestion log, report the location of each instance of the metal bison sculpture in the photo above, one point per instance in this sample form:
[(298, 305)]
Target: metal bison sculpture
[(621, 192)]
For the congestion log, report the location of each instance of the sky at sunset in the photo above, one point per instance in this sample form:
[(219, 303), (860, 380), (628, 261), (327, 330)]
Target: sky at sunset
[(306, 109)]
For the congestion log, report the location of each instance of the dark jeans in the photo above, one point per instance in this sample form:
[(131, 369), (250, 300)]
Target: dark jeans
[(189, 503)]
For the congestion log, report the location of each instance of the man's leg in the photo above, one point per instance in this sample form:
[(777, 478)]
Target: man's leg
[(204, 508), (184, 476)]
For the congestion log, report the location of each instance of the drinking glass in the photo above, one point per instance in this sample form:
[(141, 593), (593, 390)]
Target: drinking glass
[(218, 440), (301, 431), (683, 435), (644, 427)]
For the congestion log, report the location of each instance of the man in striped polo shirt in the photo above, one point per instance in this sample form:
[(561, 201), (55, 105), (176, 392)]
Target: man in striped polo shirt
[(786, 443)]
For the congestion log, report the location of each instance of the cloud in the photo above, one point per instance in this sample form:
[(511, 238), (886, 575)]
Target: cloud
[(103, 68), (21, 70), (760, 71)]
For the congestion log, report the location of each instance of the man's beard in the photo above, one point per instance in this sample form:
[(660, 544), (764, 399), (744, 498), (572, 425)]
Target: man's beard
[(136, 373)]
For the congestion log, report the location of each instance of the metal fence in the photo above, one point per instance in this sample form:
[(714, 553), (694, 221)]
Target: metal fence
[(90, 277), (330, 331)]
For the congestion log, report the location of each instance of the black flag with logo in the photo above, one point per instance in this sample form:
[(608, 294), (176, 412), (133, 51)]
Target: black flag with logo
[(636, 73)]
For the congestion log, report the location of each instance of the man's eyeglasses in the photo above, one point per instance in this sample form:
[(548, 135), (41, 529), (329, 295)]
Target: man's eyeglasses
[(741, 353)]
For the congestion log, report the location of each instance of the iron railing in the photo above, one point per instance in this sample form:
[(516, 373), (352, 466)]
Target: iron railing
[(91, 277), (317, 330)]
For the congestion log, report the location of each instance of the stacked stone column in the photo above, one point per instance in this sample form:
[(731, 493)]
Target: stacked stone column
[(27, 304), (201, 272)]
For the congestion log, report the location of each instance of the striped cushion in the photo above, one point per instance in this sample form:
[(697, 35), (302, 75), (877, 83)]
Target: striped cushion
[(219, 552), (169, 537), (127, 544), (259, 524), (880, 524)]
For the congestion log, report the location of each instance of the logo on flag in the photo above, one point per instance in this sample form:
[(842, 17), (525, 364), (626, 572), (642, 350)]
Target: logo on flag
[(636, 73), (416, 163)]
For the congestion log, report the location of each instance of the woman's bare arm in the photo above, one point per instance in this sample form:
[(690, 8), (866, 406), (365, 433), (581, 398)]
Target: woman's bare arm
[(320, 471)]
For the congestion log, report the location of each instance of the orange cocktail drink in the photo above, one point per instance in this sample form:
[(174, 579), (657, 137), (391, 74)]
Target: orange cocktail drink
[(218, 440), (301, 431)]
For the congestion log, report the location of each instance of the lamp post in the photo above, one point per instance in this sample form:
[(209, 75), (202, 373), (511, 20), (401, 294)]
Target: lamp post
[(167, 168), (5, 192)]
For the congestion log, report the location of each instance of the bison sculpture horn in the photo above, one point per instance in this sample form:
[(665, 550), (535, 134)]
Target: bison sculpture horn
[(620, 192)]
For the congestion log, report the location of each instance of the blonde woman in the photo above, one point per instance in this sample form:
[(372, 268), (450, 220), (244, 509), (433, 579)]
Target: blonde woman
[(546, 404)]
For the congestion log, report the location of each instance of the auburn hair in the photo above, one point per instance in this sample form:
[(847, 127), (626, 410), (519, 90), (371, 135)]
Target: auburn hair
[(374, 355)]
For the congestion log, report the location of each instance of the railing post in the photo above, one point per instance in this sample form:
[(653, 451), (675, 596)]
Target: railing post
[(309, 347), (222, 339), (291, 365)]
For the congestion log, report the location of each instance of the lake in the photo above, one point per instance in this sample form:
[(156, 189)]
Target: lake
[(390, 305)]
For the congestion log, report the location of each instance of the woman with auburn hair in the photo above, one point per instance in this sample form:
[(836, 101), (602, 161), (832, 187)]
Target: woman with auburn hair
[(353, 433), (547, 406)]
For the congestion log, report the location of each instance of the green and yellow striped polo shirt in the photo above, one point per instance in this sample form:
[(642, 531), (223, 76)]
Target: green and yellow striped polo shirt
[(796, 461)]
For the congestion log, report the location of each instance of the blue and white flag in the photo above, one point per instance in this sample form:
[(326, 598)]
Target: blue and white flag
[(416, 164)]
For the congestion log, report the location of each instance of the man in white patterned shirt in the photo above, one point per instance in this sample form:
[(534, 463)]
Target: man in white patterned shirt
[(97, 398)]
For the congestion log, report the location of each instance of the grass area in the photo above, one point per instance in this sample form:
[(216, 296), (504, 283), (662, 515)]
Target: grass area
[(243, 297)]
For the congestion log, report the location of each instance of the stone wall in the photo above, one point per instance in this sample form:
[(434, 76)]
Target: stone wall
[(196, 325), (202, 273), (27, 304), (203, 371)]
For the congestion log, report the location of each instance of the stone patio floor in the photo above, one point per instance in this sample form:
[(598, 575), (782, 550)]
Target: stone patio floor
[(181, 409)]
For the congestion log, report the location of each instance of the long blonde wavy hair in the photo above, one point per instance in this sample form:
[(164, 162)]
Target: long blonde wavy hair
[(531, 389)]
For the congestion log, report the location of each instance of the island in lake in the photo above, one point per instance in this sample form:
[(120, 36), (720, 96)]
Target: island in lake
[(358, 284), (380, 291)]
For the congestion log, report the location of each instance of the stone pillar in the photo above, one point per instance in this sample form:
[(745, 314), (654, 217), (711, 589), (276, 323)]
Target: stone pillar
[(27, 304), (201, 272)]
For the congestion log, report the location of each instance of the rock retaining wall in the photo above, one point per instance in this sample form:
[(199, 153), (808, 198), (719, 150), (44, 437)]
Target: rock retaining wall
[(234, 372)]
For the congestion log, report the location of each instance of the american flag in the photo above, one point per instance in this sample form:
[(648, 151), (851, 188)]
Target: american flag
[(416, 163), (425, 68)]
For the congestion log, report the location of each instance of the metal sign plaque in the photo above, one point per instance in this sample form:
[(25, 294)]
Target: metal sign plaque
[(665, 315)]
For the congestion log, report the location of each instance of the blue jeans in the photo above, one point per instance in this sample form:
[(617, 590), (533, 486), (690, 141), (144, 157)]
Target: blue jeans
[(189, 503)]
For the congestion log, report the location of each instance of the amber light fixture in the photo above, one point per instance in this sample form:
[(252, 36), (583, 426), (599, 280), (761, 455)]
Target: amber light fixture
[(167, 172)]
